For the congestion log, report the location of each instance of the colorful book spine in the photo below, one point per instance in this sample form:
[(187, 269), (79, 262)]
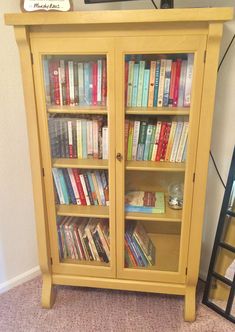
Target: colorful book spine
[(182, 83), (148, 141), (135, 85), (145, 88), (182, 142), (130, 82), (166, 92), (151, 83), (178, 132), (140, 84), (177, 81), (161, 83), (156, 83), (136, 131), (189, 79)]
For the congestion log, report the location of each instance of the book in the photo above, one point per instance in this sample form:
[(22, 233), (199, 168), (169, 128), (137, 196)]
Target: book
[(146, 202), (140, 83), (188, 80), (161, 83)]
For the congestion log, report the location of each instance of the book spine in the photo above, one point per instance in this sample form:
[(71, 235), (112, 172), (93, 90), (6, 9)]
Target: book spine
[(92, 243), (75, 73), (84, 138), (79, 138), (96, 188), (105, 137), (93, 192), (189, 79), (74, 134), (69, 186), (135, 85), (148, 141), (94, 80), (88, 187), (70, 136), (145, 88), (127, 123), (46, 74), (83, 183), (152, 142), (67, 84), (63, 186), (130, 82), (130, 140), (74, 186), (170, 141), (172, 84), (103, 240), (100, 187), (87, 99), (89, 130), (161, 83), (58, 185), (156, 83), (177, 80), (56, 82), (105, 186), (167, 82), (165, 141), (95, 139), (99, 81), (176, 141), (79, 186), (156, 140), (142, 138), (80, 83), (71, 82), (140, 84), (160, 142), (153, 65), (104, 83), (136, 131), (182, 83), (182, 142)]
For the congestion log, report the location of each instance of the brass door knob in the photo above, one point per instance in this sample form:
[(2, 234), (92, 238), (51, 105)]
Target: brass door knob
[(119, 156)]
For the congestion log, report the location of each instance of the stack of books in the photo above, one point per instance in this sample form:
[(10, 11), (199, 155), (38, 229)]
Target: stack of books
[(81, 187), (139, 249), (145, 202), (84, 239), (71, 82), (164, 82), (159, 141), (83, 137)]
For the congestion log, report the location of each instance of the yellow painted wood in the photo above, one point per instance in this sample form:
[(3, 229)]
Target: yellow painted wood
[(129, 285), (154, 166), (80, 163), (176, 234), (157, 111), (83, 211), (129, 16)]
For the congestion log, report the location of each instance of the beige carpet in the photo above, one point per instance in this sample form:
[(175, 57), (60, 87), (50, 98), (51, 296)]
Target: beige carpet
[(85, 309)]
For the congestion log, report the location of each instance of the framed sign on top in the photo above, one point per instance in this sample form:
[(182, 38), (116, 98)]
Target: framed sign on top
[(46, 5)]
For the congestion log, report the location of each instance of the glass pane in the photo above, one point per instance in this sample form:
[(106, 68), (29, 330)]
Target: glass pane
[(228, 232), (225, 263), (158, 80), (231, 204), (81, 187), (219, 293), (80, 136), (83, 240), (152, 245), (232, 312), (75, 80)]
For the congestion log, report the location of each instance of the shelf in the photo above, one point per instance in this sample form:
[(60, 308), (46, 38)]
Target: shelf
[(77, 110), (157, 111), (170, 216), (154, 166), (80, 163), (80, 262), (83, 211)]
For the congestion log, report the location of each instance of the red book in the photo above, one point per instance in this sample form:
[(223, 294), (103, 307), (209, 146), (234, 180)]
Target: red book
[(172, 84), (165, 141), (67, 90), (104, 83), (94, 81), (160, 142), (177, 82), (79, 186), (56, 82)]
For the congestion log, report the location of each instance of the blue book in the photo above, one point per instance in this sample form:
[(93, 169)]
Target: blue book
[(135, 85), (63, 186), (148, 141), (133, 249), (69, 185), (139, 251), (92, 187), (156, 85), (84, 138), (146, 88)]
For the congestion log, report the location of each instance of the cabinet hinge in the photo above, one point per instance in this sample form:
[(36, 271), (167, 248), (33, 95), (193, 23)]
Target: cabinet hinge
[(186, 271), (204, 56), (43, 173), (51, 261), (194, 177), (31, 54)]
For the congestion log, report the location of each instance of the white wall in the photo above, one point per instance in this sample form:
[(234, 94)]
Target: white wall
[(18, 249)]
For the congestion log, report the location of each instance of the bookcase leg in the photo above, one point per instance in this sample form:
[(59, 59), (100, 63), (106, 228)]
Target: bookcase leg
[(48, 293), (190, 304)]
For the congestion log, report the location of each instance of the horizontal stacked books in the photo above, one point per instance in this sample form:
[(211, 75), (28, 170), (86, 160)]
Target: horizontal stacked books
[(162, 82), (84, 239), (145, 202), (80, 137), (71, 82), (160, 141), (75, 186), (139, 249)]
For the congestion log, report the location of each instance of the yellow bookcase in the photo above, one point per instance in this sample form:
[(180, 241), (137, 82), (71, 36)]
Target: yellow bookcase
[(116, 37)]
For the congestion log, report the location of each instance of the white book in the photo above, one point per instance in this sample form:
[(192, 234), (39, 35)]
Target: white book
[(60, 86), (100, 187), (170, 140), (161, 83), (85, 189), (58, 185), (79, 138), (71, 82), (156, 140), (80, 83), (74, 186), (95, 129), (70, 133), (135, 139), (188, 81), (62, 71), (99, 80), (89, 138), (178, 132), (183, 72), (182, 142), (105, 138)]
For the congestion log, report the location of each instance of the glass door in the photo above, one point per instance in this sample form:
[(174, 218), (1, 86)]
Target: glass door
[(159, 95), (74, 91)]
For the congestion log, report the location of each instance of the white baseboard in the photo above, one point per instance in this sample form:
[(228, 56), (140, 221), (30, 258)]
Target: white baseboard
[(20, 279)]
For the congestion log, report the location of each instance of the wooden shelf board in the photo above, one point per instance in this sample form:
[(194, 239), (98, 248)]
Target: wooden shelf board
[(157, 111), (80, 163), (83, 262), (77, 109), (155, 166), (83, 211), (170, 216)]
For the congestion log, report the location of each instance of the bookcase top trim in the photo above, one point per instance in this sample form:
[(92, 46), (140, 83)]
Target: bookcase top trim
[(121, 16)]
